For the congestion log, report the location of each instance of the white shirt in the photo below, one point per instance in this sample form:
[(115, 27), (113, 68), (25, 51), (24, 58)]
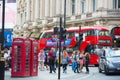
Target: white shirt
[(6, 56)]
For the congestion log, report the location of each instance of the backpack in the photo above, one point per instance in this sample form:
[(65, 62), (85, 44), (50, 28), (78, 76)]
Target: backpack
[(68, 59)]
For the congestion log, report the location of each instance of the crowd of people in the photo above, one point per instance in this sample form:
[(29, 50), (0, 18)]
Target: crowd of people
[(79, 60), (50, 59)]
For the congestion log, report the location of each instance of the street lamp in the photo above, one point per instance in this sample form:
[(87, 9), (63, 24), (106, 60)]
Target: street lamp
[(2, 62), (60, 38), (65, 14)]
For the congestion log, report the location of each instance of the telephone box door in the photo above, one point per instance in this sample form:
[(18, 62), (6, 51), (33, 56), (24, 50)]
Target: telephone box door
[(34, 58)]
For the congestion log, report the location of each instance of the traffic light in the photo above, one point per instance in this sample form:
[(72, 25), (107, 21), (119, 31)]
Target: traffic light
[(81, 36), (55, 30), (63, 33)]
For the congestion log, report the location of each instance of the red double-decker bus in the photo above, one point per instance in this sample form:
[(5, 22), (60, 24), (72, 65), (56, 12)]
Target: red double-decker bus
[(96, 36), (115, 33)]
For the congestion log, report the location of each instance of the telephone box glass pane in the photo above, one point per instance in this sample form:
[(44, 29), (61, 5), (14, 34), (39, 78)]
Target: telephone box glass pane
[(27, 58), (17, 60), (35, 58)]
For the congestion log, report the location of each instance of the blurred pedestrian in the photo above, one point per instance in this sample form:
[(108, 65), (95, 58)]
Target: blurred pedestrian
[(76, 58), (81, 60), (9, 58), (87, 58), (52, 56), (6, 56), (64, 61), (73, 61), (46, 63), (41, 59)]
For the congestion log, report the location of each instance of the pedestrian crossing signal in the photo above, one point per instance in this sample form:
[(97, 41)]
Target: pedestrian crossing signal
[(63, 33), (55, 30), (81, 36)]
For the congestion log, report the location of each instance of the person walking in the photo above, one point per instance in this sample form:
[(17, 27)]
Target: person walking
[(41, 59), (87, 58), (46, 60), (73, 61), (76, 59), (6, 56), (51, 56), (81, 59), (64, 61)]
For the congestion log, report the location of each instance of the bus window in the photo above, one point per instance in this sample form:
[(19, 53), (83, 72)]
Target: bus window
[(47, 35), (70, 33), (103, 33), (90, 33), (35, 35)]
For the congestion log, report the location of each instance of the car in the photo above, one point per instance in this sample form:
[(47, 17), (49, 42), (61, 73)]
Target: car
[(109, 61)]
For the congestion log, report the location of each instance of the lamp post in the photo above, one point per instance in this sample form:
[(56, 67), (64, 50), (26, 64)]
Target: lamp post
[(2, 62), (60, 39), (3, 23), (65, 14), (61, 32)]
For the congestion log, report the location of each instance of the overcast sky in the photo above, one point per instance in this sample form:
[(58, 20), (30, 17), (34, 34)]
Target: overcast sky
[(10, 14)]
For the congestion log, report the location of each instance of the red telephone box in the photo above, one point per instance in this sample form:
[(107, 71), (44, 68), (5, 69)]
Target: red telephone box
[(21, 50), (34, 58)]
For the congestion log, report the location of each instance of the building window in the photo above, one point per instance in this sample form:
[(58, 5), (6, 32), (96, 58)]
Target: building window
[(73, 6), (116, 4), (83, 6), (94, 5)]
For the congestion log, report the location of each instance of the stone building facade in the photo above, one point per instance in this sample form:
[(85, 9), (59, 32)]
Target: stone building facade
[(39, 15)]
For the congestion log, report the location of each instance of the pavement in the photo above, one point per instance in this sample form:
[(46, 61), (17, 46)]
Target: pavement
[(45, 75)]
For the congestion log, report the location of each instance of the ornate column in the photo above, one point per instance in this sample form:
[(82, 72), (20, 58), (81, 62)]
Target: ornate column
[(106, 2), (54, 7), (100, 3), (87, 6), (51, 8), (76, 6), (47, 8), (37, 10), (28, 10), (68, 7), (42, 9), (62, 7), (58, 7), (90, 9)]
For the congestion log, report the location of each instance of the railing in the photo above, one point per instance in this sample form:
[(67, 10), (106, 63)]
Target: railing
[(50, 20), (89, 15), (40, 22), (68, 18), (114, 13), (78, 16)]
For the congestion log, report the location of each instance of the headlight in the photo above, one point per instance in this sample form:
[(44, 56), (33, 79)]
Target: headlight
[(109, 63)]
